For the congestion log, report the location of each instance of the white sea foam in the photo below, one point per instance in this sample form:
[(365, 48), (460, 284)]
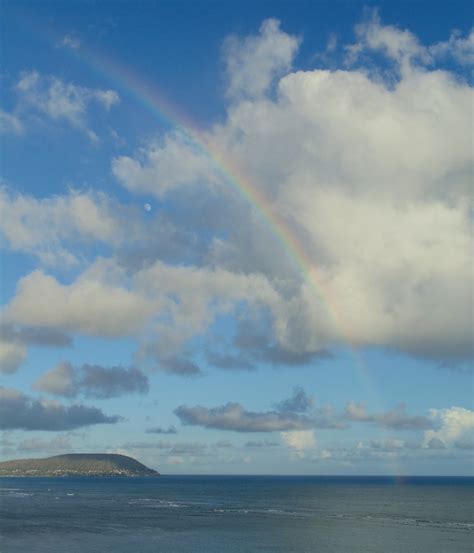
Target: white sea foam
[(20, 494), (157, 503)]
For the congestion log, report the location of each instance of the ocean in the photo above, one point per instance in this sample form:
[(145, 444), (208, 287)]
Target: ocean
[(230, 514)]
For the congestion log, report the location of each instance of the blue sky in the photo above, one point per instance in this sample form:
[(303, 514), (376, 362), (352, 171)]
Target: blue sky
[(236, 236)]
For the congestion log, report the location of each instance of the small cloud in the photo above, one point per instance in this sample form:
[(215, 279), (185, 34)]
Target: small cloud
[(436, 443), (160, 430), (325, 454), (458, 48), (174, 460), (92, 381), (331, 44), (400, 46), (107, 98), (299, 402), (465, 443), (92, 136), (232, 416), (453, 426), (396, 419), (229, 362), (70, 41), (117, 139), (261, 444), (62, 101), (388, 445), (10, 124), (300, 441), (180, 365)]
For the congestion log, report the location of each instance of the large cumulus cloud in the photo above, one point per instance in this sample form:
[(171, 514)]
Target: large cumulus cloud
[(369, 177)]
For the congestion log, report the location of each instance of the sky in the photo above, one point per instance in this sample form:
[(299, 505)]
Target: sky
[(236, 236)]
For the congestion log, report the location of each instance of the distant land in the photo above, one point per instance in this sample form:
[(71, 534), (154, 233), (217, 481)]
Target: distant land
[(77, 464)]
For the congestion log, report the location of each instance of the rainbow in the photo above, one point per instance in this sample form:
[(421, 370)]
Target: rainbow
[(128, 82), (164, 111), (156, 104), (169, 115)]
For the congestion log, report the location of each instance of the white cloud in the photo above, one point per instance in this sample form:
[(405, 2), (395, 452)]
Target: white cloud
[(371, 182), (47, 227), (103, 302), (161, 167), (203, 294), (404, 48), (108, 98), (401, 46), (456, 47), (456, 424), (60, 100), (70, 41), (255, 61), (325, 454), (299, 440), (88, 306)]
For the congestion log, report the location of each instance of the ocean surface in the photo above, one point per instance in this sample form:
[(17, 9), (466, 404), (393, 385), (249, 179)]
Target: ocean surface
[(220, 514)]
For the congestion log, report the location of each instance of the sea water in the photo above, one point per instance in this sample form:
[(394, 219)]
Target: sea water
[(219, 514)]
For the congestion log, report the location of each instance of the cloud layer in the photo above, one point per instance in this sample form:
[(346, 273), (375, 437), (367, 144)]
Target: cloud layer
[(293, 414), (396, 419)]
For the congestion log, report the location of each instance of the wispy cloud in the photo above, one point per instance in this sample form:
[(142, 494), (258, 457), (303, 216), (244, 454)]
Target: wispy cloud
[(160, 430), (10, 124), (396, 419), (70, 40), (62, 101), (254, 62)]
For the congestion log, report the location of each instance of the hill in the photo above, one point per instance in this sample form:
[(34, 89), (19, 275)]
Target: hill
[(77, 464)]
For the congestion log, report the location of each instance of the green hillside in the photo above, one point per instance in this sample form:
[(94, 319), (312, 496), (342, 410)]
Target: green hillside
[(77, 464)]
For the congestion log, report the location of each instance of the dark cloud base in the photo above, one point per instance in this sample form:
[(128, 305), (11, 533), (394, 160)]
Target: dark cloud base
[(19, 411)]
